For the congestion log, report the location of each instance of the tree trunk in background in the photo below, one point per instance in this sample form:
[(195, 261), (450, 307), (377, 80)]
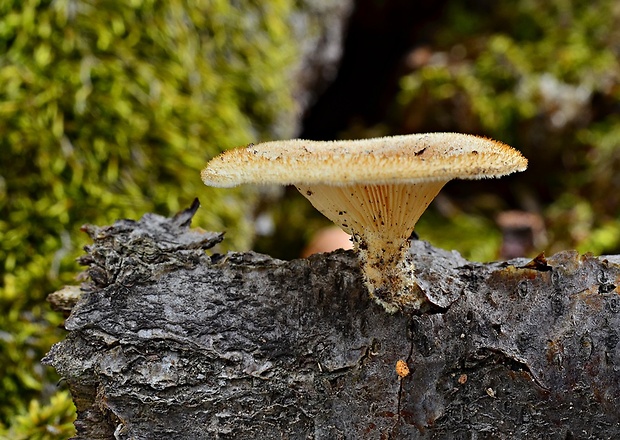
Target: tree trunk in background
[(169, 342)]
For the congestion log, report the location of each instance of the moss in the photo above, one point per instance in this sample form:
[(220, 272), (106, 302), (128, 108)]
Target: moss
[(109, 110), (44, 422), (543, 77)]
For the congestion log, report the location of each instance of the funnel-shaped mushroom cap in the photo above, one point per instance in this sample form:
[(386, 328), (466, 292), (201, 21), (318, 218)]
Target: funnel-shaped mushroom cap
[(409, 158), (374, 189)]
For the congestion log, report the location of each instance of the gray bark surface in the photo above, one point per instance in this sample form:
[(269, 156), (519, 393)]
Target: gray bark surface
[(168, 342)]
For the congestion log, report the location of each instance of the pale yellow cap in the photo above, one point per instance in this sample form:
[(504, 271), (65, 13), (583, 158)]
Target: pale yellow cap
[(410, 158)]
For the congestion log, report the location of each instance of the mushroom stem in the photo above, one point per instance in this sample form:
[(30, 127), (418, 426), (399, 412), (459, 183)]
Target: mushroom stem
[(389, 273), (381, 218)]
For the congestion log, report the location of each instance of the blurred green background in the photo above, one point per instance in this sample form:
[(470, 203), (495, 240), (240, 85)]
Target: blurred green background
[(109, 109)]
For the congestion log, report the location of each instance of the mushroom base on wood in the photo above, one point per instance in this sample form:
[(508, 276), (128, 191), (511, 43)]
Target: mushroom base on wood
[(167, 341), (380, 219)]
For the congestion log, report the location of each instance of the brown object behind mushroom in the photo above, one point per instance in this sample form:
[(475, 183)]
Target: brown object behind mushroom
[(523, 233), (326, 240)]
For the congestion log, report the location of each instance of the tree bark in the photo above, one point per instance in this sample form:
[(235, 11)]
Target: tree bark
[(167, 341)]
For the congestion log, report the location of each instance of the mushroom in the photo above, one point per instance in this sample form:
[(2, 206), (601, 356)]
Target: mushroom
[(374, 189)]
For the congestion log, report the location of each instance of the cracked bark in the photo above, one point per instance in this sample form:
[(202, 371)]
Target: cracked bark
[(167, 341)]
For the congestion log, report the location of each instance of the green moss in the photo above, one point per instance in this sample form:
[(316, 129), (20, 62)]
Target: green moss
[(48, 422), (109, 110), (543, 77), (473, 235)]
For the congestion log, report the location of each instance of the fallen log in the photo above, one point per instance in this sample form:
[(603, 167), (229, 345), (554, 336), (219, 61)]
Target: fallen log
[(167, 340)]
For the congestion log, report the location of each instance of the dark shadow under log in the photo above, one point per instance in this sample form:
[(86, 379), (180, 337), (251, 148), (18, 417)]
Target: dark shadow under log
[(169, 342)]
